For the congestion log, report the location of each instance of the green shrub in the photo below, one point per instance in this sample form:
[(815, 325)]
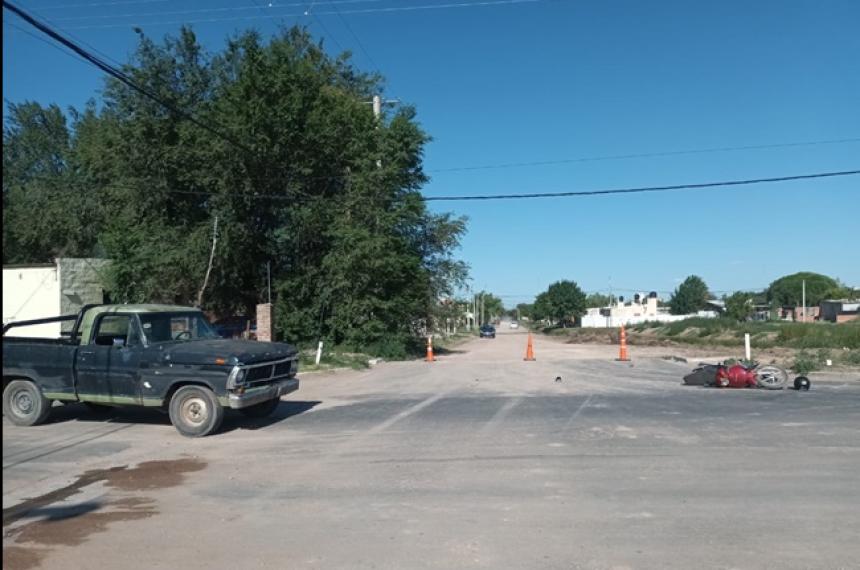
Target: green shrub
[(852, 357), (804, 363)]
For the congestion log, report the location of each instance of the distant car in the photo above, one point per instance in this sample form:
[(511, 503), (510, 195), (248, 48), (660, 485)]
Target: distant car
[(515, 325), (488, 331)]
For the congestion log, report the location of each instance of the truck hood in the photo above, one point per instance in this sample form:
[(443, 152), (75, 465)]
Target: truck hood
[(232, 351)]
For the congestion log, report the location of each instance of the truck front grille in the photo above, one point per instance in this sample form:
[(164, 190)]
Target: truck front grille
[(283, 368), (259, 373)]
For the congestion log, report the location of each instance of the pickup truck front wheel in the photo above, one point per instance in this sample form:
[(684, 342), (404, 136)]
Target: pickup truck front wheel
[(195, 411), (24, 404)]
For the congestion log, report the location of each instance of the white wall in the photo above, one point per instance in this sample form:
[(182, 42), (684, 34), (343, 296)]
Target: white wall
[(600, 321), (31, 293)]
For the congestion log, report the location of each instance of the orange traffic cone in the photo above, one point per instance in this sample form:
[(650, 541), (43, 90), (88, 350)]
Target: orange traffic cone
[(430, 349), (622, 352), (530, 351)]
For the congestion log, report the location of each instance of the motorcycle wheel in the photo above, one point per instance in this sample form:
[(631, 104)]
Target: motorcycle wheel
[(771, 377)]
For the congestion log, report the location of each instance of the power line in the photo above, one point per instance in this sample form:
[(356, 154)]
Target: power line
[(449, 5), (329, 13), (353, 34), (645, 155), (74, 37), (119, 75), (326, 31), (698, 186), (643, 189), (254, 7), (100, 4), (44, 41), (199, 10)]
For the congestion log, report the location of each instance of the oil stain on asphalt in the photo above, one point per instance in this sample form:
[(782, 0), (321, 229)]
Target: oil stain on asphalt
[(70, 525)]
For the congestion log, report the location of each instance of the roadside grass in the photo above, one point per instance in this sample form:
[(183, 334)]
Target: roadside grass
[(810, 344), (341, 357), (332, 359), (767, 334)]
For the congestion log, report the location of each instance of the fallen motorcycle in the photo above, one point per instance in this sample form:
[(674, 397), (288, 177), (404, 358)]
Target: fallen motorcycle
[(751, 375)]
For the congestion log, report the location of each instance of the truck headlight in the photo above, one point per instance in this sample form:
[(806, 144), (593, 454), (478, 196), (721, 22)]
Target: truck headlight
[(236, 378)]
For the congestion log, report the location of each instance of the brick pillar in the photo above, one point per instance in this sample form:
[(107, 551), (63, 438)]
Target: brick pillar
[(265, 330)]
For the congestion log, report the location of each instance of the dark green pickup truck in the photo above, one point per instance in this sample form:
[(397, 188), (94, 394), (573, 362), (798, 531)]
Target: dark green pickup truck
[(160, 356)]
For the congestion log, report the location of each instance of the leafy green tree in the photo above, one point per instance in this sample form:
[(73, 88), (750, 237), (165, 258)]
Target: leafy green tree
[(689, 297), (597, 300), (542, 307), (788, 290), (309, 183), (562, 301), (740, 305), (524, 310), (47, 211), (450, 315), (493, 307)]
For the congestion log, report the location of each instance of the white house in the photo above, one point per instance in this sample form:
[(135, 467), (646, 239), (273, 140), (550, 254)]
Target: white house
[(634, 312), (48, 290)]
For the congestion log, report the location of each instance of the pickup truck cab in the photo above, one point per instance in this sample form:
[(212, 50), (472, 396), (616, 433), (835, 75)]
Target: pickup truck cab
[(159, 356)]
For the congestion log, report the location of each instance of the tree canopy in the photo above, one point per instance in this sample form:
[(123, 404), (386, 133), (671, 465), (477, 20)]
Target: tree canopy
[(597, 300), (305, 179), (492, 307), (689, 297), (562, 301), (788, 290), (740, 305)]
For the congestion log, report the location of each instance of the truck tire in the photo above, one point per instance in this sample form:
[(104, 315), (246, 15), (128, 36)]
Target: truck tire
[(195, 411), (24, 404), (261, 410)]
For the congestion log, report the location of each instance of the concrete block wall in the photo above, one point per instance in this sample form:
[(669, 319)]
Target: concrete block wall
[(82, 282)]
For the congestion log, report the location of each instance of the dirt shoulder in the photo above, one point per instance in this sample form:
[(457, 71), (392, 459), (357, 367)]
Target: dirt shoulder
[(693, 348)]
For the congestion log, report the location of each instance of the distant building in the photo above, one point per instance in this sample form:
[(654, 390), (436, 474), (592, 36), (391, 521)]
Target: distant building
[(48, 290), (634, 312), (840, 311)]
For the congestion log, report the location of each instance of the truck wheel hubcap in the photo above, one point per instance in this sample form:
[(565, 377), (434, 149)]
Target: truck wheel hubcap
[(23, 403), (194, 410)]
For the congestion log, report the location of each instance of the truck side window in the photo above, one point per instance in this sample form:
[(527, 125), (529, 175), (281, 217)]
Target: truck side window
[(116, 330)]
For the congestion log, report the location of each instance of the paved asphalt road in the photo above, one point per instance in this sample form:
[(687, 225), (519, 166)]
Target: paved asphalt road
[(479, 460)]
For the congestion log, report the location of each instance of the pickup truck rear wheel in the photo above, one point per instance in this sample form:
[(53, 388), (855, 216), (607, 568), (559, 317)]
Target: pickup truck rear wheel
[(24, 404), (195, 411), (261, 410)]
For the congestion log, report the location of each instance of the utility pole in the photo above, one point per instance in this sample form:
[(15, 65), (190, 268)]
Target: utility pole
[(377, 103), (804, 301), (377, 113), (377, 106), (269, 279), (211, 260)]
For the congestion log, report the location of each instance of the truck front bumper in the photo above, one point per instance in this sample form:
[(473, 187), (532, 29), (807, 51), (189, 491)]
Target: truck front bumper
[(260, 394)]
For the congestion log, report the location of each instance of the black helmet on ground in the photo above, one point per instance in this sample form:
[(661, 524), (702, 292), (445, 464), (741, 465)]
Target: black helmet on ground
[(802, 383)]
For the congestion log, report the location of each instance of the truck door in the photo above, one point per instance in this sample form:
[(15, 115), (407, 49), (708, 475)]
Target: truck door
[(108, 365)]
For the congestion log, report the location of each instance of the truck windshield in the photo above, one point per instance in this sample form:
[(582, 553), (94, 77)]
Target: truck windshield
[(167, 327)]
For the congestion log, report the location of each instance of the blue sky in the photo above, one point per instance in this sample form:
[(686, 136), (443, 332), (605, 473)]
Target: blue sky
[(555, 80)]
